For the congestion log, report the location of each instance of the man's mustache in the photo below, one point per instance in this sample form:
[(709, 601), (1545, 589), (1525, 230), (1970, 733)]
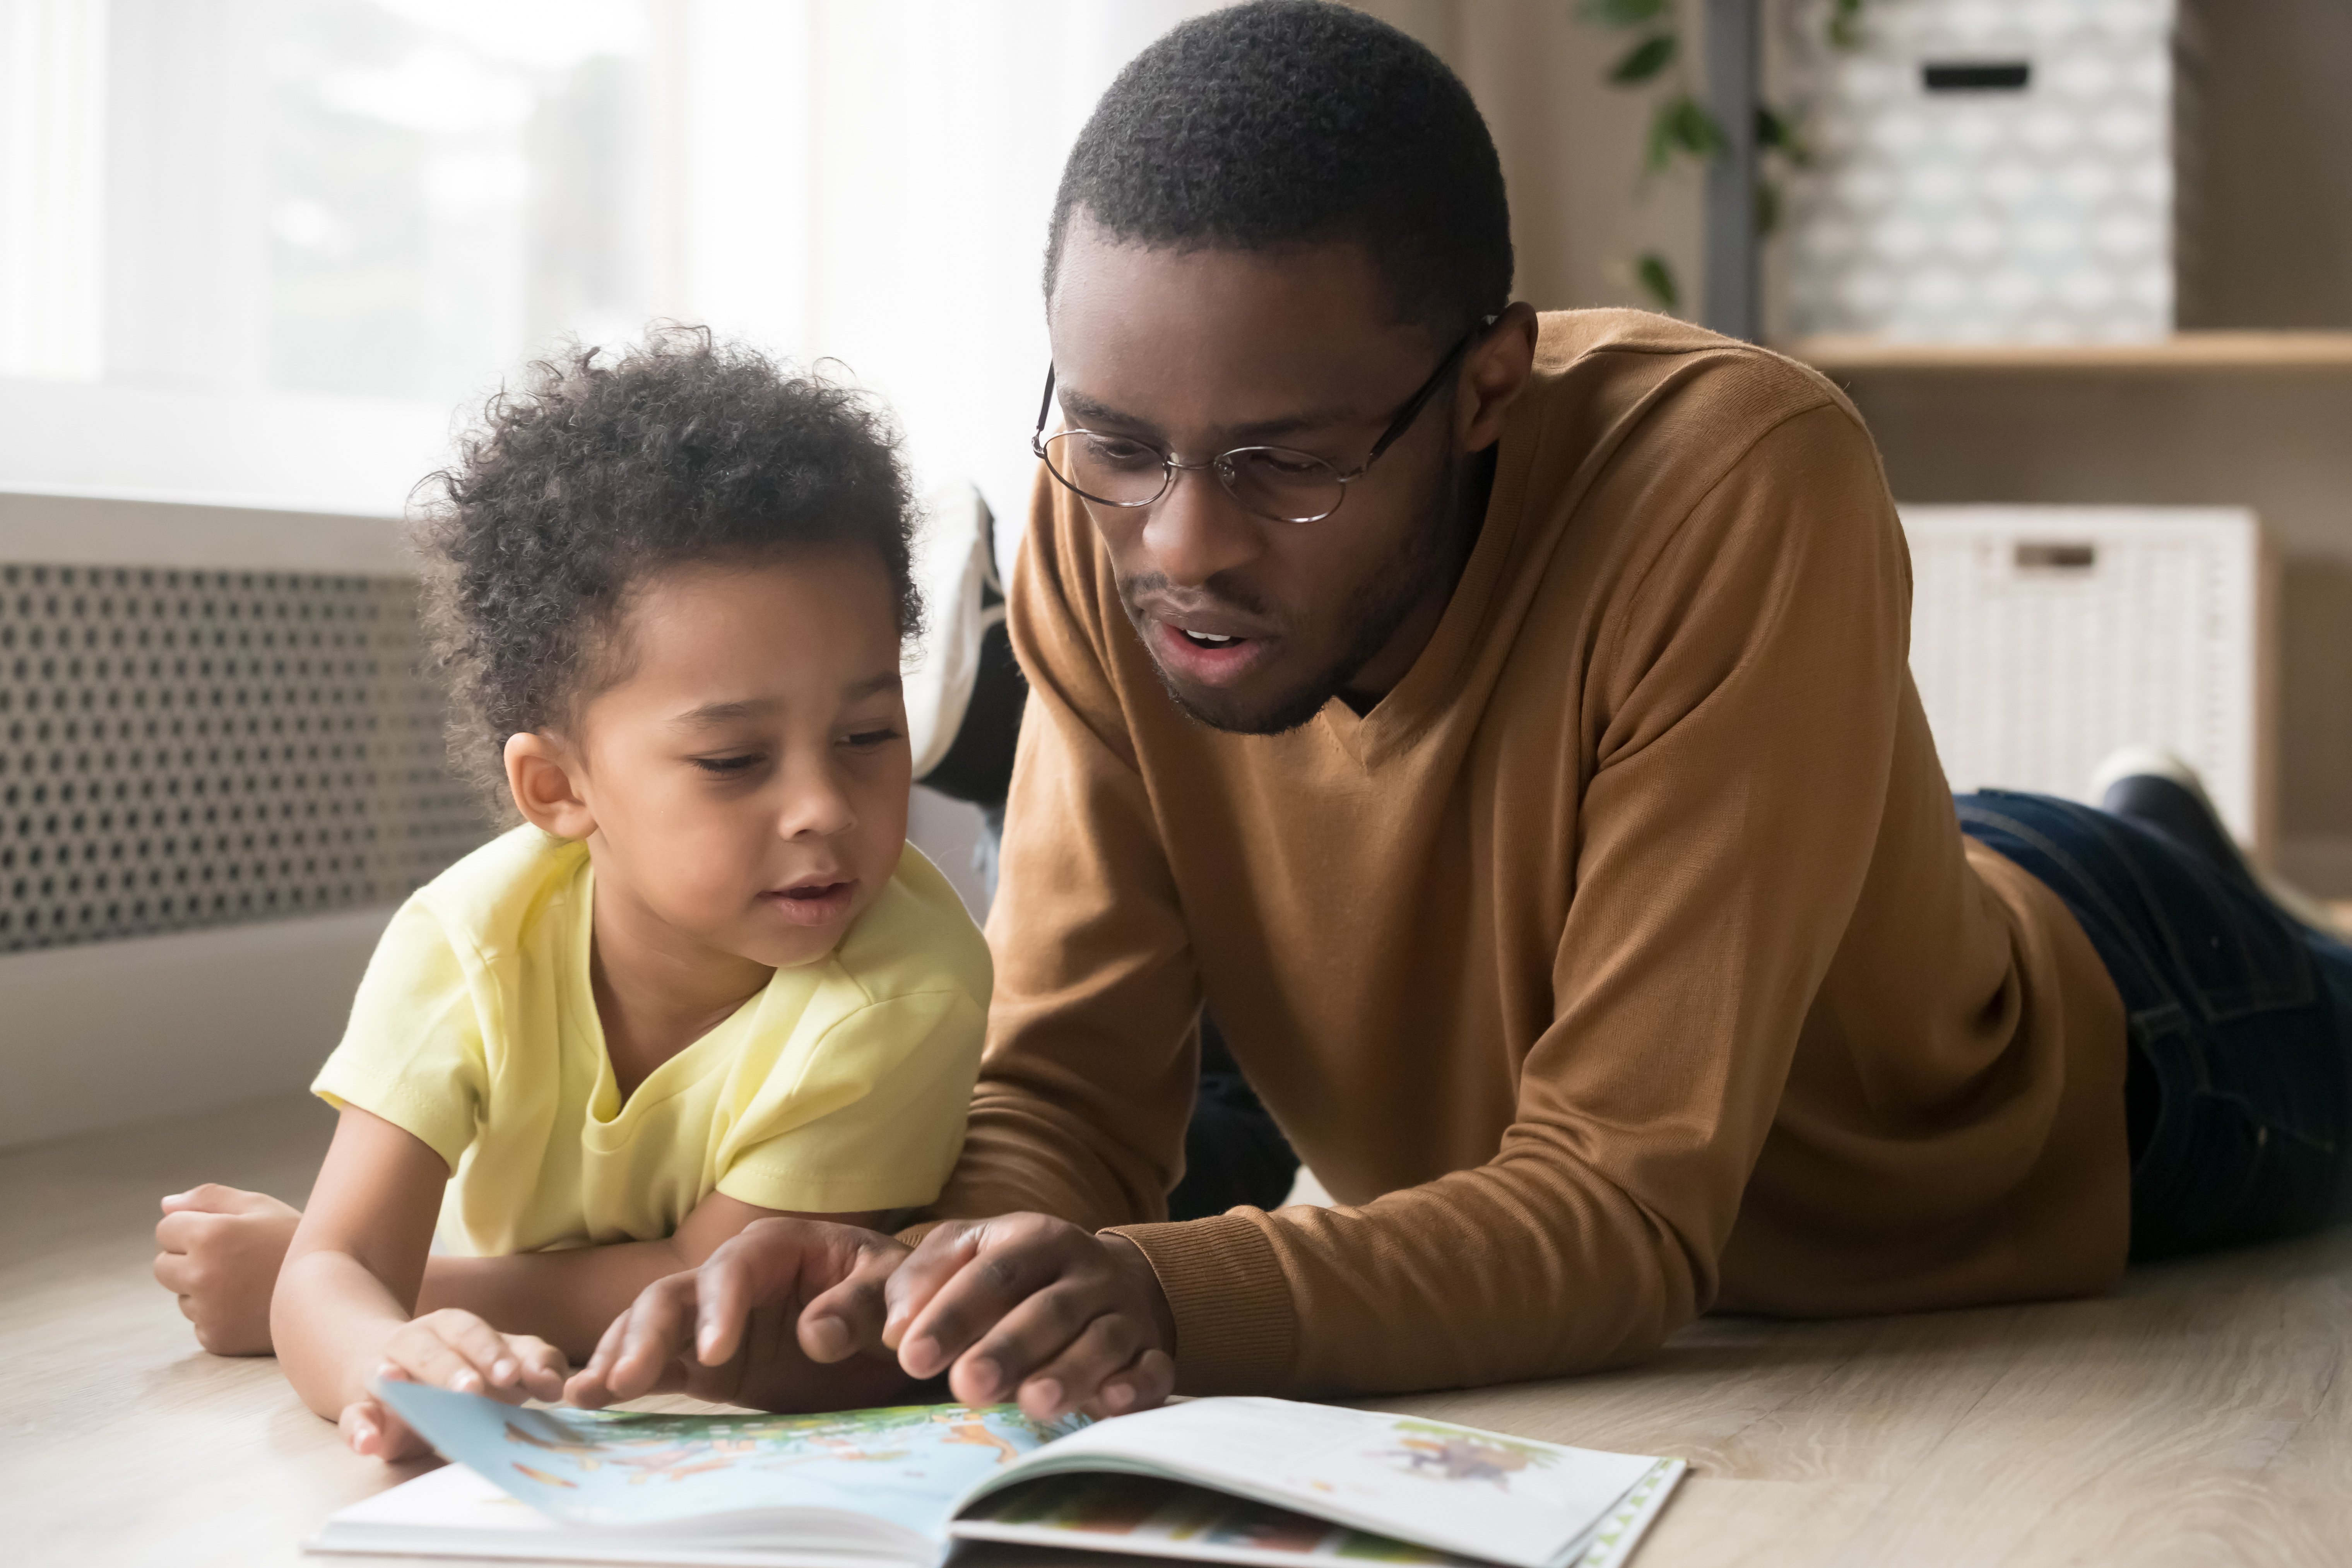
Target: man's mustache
[(1219, 591)]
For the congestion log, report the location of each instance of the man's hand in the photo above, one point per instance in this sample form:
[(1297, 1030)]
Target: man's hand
[(456, 1349), (218, 1250), (734, 1330), (1023, 1307)]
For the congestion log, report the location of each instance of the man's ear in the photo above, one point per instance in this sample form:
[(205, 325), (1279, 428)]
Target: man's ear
[(1494, 374), (539, 771)]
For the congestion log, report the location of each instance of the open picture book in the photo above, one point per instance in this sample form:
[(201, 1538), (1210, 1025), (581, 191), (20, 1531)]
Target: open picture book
[(1224, 1481)]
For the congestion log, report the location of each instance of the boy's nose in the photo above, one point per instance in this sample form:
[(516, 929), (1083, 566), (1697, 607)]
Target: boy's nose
[(816, 806)]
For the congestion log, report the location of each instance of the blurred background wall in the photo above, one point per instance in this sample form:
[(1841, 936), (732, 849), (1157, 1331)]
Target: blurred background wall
[(259, 257)]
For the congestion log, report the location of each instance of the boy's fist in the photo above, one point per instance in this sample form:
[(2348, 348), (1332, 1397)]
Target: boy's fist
[(218, 1250)]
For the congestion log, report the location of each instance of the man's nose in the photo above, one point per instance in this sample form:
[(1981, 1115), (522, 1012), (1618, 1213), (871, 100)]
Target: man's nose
[(1197, 529)]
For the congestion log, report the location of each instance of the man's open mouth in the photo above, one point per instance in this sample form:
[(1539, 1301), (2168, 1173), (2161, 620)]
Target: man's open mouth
[(1208, 639)]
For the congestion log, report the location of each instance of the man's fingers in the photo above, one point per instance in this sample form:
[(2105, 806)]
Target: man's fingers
[(850, 1316), (1046, 1326), (1075, 1377), (651, 1337), (998, 1268), (1142, 1385)]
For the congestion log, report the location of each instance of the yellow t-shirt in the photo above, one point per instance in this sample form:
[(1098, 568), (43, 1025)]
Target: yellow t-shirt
[(842, 1086)]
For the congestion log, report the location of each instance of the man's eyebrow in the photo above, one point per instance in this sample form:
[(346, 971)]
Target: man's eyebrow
[(1089, 413)]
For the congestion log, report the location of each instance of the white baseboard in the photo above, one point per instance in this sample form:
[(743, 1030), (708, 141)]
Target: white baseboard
[(117, 1032)]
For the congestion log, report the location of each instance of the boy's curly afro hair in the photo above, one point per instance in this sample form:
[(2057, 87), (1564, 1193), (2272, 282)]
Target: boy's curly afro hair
[(599, 472)]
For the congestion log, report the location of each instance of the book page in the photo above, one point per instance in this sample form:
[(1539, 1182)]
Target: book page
[(1160, 1518), (1480, 1494), (1170, 1519), (903, 1466)]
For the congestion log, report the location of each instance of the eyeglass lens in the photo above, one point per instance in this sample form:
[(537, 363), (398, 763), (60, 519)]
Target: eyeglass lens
[(1272, 482)]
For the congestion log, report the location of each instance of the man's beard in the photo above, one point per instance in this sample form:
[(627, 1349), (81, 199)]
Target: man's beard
[(1378, 608)]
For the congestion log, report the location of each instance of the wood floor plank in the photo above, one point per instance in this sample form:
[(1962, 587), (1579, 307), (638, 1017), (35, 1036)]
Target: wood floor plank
[(2201, 1413)]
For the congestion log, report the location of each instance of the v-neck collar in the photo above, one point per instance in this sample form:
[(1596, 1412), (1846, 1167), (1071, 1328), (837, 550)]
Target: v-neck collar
[(608, 1112), (1429, 686)]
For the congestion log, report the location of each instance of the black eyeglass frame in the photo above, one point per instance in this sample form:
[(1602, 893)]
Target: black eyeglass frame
[(1223, 461)]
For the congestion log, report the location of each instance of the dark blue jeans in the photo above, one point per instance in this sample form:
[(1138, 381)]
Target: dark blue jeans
[(2240, 1024)]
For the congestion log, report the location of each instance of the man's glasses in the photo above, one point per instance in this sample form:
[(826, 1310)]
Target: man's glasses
[(1273, 482)]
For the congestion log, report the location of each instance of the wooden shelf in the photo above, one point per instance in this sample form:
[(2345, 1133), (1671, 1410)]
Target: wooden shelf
[(2184, 351)]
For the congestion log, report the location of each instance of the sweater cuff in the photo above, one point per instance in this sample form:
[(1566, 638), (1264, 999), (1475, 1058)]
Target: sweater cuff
[(1235, 1325)]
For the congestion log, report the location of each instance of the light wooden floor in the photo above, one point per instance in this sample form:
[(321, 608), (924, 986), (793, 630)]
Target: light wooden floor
[(2201, 1414)]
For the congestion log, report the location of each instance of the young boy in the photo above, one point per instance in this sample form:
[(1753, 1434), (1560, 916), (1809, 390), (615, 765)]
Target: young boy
[(706, 981)]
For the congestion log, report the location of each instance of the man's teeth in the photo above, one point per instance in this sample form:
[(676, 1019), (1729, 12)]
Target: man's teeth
[(1209, 639)]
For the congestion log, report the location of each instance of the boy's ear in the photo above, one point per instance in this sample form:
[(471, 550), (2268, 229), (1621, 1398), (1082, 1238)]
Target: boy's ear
[(539, 776)]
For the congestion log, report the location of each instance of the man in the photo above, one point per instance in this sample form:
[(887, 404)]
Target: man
[(1503, 723)]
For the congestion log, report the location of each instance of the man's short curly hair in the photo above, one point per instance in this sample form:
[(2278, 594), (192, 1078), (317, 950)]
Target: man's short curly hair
[(598, 472), (1293, 122)]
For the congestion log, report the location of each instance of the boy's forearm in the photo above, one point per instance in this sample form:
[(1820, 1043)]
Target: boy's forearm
[(330, 1319), (565, 1297)]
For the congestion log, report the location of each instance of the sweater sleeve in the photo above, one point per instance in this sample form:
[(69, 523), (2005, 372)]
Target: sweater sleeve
[(1739, 710), (1086, 1082)]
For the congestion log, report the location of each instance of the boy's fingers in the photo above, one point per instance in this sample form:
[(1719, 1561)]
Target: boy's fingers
[(369, 1428), (184, 1231), (452, 1350), (175, 1272), (1077, 1374), (543, 1366)]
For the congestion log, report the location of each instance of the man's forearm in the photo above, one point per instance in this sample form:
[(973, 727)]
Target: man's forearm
[(565, 1297)]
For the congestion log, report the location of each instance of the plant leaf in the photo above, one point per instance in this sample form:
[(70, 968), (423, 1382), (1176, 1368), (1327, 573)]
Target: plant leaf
[(1771, 130), (1690, 128), (1658, 280), (1644, 59), (1658, 150), (1846, 25), (1622, 13)]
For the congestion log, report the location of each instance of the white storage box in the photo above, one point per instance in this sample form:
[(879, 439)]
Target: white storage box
[(1987, 171), (2044, 637)]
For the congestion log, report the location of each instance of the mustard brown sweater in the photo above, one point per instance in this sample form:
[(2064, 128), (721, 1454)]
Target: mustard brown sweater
[(1624, 961)]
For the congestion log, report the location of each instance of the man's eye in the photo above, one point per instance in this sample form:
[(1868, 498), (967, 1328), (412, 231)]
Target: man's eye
[(1111, 451), (725, 765)]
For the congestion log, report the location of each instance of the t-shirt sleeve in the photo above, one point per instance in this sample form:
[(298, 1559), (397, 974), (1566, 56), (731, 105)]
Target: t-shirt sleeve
[(872, 1119), (412, 1053)]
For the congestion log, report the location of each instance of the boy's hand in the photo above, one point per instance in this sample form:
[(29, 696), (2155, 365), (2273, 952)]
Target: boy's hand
[(454, 1350), (1027, 1308), (218, 1250), (734, 1330)]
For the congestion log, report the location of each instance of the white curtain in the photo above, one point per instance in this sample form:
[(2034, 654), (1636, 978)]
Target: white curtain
[(266, 247), (871, 181)]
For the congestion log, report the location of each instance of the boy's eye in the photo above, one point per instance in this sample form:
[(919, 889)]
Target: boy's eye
[(867, 739), (727, 764)]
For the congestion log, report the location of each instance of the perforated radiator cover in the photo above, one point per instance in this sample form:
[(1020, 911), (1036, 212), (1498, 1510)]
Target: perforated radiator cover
[(198, 748)]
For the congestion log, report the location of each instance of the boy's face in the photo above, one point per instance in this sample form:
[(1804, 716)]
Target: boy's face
[(746, 776)]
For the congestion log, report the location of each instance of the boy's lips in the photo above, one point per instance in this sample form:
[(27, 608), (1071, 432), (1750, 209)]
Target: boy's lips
[(812, 903)]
